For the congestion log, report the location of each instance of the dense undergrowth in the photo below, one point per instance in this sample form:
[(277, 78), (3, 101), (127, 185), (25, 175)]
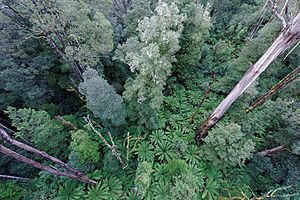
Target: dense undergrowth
[(145, 75)]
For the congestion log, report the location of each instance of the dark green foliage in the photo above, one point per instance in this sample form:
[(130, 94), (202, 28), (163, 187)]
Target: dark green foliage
[(10, 191), (100, 191), (227, 146)]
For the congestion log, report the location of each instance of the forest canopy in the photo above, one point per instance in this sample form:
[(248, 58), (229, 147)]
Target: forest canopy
[(149, 100)]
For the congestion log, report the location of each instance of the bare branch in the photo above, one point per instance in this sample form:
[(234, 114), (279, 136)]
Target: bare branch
[(112, 147), (66, 123), (284, 7), (278, 14), (286, 39), (13, 177)]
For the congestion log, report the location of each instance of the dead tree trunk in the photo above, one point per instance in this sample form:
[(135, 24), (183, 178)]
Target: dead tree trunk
[(287, 38), (272, 151), (38, 165), (72, 173), (287, 79), (43, 154)]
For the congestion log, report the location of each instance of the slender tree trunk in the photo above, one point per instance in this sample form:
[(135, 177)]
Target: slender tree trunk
[(269, 152), (287, 38), (289, 78), (13, 177), (74, 173), (43, 154), (38, 165), (200, 104)]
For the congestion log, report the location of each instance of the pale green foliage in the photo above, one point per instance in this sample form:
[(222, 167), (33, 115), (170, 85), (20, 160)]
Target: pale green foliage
[(85, 148), (139, 10), (185, 187), (176, 167), (38, 127), (143, 178), (85, 32), (150, 56), (101, 98), (226, 145)]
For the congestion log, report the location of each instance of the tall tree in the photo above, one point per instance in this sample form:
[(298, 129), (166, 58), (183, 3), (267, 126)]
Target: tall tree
[(150, 57)]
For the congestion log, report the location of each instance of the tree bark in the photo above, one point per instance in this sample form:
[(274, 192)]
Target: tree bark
[(74, 173), (287, 38), (287, 79)]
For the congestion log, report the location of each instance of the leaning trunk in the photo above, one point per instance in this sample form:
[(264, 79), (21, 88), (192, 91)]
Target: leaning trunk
[(38, 165), (287, 38)]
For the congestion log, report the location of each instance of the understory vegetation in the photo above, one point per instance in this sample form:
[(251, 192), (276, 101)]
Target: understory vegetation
[(118, 89)]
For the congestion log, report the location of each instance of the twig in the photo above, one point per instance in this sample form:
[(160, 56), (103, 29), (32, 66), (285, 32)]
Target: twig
[(260, 19), (284, 7), (286, 80)]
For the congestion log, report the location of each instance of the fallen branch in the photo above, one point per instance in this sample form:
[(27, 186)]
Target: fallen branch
[(66, 123), (286, 80)]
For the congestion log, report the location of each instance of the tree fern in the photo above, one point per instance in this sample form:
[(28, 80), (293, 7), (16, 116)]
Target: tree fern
[(145, 151), (157, 136), (100, 191), (70, 191), (160, 174), (191, 155), (164, 151), (114, 188), (162, 190)]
